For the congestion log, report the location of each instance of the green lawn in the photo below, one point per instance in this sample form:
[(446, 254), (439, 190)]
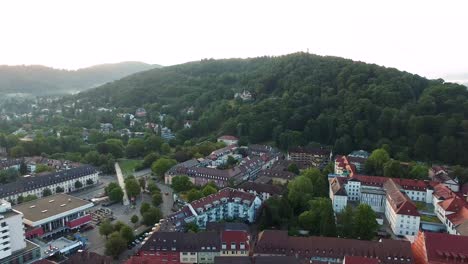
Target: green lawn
[(128, 166), (422, 206), (430, 218)]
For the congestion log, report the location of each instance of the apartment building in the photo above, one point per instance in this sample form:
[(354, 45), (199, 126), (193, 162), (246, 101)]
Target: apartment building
[(35, 185)]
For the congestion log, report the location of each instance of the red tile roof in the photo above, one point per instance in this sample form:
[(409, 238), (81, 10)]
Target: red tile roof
[(360, 260), (438, 248), (237, 237), (442, 192), (407, 184), (276, 242), (399, 201)]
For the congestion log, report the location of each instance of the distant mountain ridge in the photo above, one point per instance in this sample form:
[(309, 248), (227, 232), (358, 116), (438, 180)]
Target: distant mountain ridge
[(42, 80)]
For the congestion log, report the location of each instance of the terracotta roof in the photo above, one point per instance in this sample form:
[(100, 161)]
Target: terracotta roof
[(236, 236), (337, 186), (453, 204), (442, 192), (399, 201), (440, 248), (360, 260), (259, 260), (407, 184), (279, 243)]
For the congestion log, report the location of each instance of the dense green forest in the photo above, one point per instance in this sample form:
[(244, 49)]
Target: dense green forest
[(302, 98), (41, 80)]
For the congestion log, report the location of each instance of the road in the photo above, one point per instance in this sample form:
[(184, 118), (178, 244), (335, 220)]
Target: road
[(120, 180)]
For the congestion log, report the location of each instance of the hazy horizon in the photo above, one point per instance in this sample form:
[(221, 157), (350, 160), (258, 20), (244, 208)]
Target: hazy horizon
[(421, 37)]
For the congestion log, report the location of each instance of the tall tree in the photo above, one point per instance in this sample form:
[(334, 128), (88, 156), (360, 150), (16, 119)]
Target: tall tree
[(365, 223)]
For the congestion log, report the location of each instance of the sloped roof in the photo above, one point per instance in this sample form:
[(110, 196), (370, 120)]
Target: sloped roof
[(337, 186), (279, 243), (444, 248), (399, 201)]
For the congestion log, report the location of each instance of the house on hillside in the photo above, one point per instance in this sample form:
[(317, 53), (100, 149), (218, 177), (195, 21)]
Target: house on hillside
[(228, 139)]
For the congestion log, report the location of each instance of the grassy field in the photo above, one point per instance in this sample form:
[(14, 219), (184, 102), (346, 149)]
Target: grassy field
[(430, 218), (128, 166)]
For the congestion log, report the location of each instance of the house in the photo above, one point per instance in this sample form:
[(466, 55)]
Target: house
[(106, 128), (187, 123), (227, 203), (140, 112), (331, 249), (178, 247), (190, 110), (400, 211), (262, 191), (48, 216), (228, 140), (244, 96), (438, 248), (235, 243), (453, 212), (14, 247), (306, 157), (277, 176), (440, 174)]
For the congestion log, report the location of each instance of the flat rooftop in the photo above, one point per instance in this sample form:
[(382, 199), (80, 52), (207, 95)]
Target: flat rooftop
[(50, 206)]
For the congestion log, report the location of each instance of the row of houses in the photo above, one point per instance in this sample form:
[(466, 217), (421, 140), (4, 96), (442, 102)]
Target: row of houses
[(61, 181), (200, 173), (227, 204)]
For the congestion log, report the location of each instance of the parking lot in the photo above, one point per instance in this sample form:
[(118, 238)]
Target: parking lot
[(119, 212)]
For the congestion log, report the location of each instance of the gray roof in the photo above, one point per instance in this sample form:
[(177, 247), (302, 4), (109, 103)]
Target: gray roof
[(46, 207), (32, 183)]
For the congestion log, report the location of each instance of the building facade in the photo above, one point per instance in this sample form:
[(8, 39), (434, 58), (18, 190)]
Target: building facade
[(35, 185), (54, 214), (306, 157), (14, 248), (226, 204)]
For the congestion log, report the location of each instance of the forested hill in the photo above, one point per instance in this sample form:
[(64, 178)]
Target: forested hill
[(302, 98), (41, 80)]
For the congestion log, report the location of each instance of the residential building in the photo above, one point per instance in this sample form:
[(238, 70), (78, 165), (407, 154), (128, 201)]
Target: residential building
[(36, 185), (439, 248), (452, 211), (400, 211), (106, 128), (359, 154), (228, 140), (178, 247), (244, 96), (13, 246), (203, 172), (306, 157), (440, 174), (331, 249), (54, 214), (140, 112), (277, 176), (228, 203), (235, 243), (262, 191), (258, 260)]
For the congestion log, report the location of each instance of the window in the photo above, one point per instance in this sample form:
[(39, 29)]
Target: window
[(4, 224)]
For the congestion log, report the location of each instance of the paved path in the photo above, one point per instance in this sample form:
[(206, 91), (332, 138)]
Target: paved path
[(120, 179)]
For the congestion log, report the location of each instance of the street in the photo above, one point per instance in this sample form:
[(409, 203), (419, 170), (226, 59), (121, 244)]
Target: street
[(123, 213)]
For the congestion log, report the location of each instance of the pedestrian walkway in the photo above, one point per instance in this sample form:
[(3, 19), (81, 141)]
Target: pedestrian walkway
[(121, 181)]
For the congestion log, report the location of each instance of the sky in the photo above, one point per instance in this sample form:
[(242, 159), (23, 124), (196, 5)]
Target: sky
[(429, 38)]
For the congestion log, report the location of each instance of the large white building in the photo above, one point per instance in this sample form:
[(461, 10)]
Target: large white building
[(35, 185), (226, 204), (13, 246), (400, 211)]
